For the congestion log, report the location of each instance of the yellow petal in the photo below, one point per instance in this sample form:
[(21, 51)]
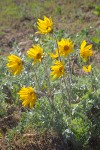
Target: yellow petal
[(83, 44)]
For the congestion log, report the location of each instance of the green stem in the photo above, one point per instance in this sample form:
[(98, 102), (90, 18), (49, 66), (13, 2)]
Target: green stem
[(63, 103), (70, 79), (69, 100), (49, 94), (57, 48), (36, 79)]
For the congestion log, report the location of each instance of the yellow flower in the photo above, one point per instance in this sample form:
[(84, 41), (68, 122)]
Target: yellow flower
[(36, 53), (87, 69), (55, 55), (57, 69), (28, 96), (65, 47), (86, 51), (14, 64), (45, 26)]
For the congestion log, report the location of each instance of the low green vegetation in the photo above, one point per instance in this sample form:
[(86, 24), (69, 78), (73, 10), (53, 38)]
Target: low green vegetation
[(54, 86), (68, 105)]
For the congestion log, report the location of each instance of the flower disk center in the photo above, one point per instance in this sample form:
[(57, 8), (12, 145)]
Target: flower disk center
[(38, 56), (61, 69), (31, 93), (18, 63), (66, 48)]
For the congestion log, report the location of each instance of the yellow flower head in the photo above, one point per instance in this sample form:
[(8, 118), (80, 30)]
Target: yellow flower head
[(87, 69), (45, 26), (55, 55), (36, 53), (28, 96), (65, 47), (86, 51), (14, 64), (57, 69)]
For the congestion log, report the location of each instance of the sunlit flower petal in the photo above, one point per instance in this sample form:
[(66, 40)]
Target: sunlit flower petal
[(28, 96), (86, 51), (36, 53), (55, 55), (14, 64), (57, 69), (87, 69), (65, 47), (45, 26)]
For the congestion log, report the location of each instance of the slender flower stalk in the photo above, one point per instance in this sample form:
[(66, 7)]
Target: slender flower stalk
[(36, 79), (70, 80), (58, 50), (47, 75), (68, 92), (62, 92)]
